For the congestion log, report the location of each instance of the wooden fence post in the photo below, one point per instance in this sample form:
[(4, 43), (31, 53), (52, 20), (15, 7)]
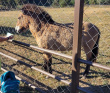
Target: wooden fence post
[(77, 34)]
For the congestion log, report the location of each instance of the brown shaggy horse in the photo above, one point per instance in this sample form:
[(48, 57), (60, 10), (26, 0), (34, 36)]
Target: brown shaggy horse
[(56, 36)]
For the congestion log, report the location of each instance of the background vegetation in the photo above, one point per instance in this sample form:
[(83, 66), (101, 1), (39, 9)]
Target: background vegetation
[(59, 3)]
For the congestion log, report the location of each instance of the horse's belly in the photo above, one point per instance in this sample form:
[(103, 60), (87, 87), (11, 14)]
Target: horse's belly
[(60, 46)]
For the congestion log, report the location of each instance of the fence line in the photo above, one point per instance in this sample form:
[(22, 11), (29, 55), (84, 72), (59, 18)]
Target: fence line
[(41, 49), (94, 64), (42, 71), (62, 55)]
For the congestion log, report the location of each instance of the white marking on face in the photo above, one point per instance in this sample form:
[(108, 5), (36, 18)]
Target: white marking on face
[(17, 28)]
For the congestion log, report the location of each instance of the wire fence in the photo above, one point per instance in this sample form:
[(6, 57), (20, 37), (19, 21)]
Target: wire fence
[(51, 27), (98, 79)]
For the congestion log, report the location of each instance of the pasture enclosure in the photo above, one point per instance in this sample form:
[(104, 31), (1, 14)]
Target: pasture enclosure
[(23, 55)]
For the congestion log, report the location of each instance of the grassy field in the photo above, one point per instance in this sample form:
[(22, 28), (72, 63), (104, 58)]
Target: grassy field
[(98, 80)]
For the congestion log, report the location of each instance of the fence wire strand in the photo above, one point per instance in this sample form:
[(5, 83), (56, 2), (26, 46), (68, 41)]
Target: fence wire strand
[(59, 32)]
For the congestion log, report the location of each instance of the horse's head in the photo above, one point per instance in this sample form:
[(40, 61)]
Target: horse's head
[(22, 23), (29, 13)]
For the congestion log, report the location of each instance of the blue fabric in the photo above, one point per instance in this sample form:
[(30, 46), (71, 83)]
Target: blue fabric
[(9, 84)]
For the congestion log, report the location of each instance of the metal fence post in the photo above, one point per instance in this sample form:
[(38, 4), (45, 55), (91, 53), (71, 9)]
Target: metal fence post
[(77, 34)]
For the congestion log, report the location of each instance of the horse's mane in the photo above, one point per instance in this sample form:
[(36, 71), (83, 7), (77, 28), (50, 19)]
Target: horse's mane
[(36, 11)]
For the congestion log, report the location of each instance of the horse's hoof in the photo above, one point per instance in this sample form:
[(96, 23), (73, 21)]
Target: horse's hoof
[(50, 71), (84, 76), (44, 67)]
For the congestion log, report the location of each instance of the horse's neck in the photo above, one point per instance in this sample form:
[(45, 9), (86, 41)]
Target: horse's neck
[(36, 29)]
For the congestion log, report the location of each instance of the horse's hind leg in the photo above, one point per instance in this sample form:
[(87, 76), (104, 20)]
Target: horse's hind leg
[(91, 54), (47, 62), (88, 50), (86, 72)]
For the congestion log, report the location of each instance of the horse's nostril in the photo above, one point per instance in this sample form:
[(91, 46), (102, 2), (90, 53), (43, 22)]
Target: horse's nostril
[(15, 30)]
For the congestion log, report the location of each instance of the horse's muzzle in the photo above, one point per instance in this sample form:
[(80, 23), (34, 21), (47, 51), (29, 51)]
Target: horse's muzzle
[(17, 29)]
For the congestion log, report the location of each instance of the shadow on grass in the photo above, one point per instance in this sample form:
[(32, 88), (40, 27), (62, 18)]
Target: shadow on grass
[(94, 74), (27, 89), (22, 57), (89, 89), (96, 88)]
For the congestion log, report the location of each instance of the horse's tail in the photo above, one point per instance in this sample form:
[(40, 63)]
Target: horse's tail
[(95, 48)]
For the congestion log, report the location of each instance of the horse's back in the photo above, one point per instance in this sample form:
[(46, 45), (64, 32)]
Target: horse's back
[(58, 37)]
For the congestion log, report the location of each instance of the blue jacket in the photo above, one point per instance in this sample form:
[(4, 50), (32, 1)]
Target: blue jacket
[(9, 84)]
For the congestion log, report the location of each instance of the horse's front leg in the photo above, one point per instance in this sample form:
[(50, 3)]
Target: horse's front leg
[(47, 62), (90, 56)]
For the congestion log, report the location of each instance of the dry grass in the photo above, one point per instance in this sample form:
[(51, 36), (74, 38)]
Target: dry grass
[(98, 78)]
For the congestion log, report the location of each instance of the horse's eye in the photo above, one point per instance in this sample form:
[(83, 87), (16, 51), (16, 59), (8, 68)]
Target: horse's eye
[(19, 17)]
